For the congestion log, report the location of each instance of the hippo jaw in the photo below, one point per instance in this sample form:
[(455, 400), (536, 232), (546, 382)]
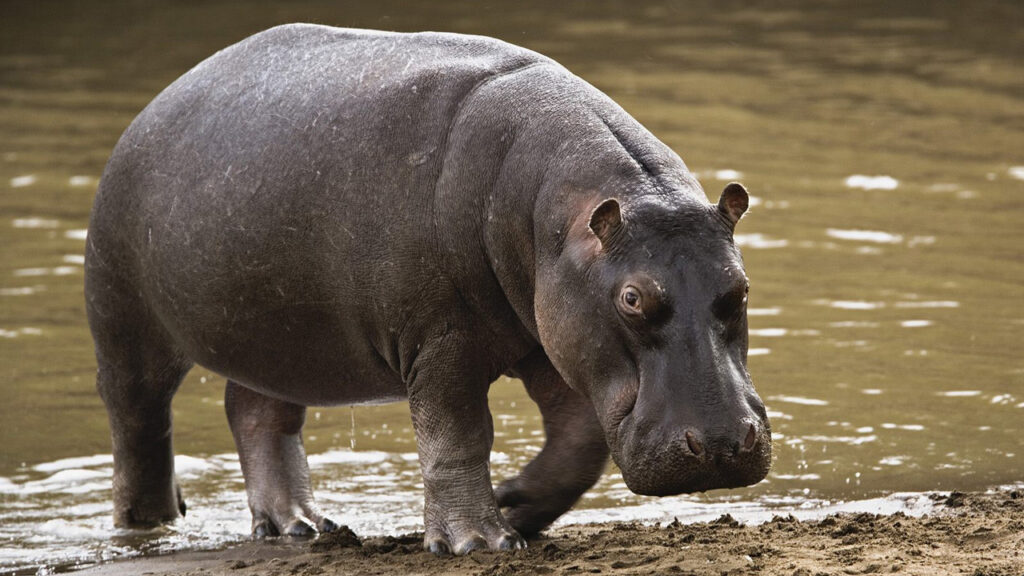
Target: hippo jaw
[(660, 455), (680, 463)]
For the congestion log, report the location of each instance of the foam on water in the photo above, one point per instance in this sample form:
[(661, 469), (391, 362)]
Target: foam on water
[(863, 182), (82, 181), (851, 440), (25, 331), (799, 477), (915, 323), (22, 181), (379, 492), (910, 427), (21, 290), (856, 305), (1003, 399), (728, 174), (854, 324), (768, 332), (799, 400), (865, 236), (190, 466), (724, 174), (929, 304), (35, 223), (78, 462), (72, 476), (757, 512), (959, 393), (759, 241), (349, 457), (55, 271)]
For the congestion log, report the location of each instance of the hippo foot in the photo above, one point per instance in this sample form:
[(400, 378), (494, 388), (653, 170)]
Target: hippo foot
[(573, 457), (268, 433), (305, 524), (461, 538), (149, 511), (530, 509)]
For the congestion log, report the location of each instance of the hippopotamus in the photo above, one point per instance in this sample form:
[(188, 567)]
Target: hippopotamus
[(329, 216)]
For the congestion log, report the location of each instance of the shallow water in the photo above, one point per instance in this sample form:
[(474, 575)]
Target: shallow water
[(885, 247)]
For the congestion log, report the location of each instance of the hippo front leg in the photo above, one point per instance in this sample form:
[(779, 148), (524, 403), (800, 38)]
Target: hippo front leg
[(573, 457), (454, 432), (268, 435)]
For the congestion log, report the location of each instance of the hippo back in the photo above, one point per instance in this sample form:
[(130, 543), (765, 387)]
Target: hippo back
[(287, 183)]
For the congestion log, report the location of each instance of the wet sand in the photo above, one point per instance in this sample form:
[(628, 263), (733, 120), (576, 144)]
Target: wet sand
[(976, 534)]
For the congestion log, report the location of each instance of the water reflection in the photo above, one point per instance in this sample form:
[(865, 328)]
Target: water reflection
[(374, 492), (871, 182)]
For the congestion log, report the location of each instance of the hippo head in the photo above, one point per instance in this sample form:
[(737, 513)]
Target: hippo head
[(648, 319)]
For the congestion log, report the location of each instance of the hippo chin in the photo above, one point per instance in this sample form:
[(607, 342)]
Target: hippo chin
[(328, 216)]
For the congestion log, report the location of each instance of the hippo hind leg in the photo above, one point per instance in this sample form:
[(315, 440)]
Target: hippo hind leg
[(571, 461), (137, 376), (268, 435)]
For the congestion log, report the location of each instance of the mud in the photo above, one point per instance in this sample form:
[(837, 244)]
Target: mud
[(975, 534)]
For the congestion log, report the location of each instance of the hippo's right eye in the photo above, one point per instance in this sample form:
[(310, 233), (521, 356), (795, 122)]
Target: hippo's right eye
[(631, 300), (641, 303)]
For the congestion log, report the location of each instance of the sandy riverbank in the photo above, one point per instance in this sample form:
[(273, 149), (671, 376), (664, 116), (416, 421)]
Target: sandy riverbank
[(974, 534)]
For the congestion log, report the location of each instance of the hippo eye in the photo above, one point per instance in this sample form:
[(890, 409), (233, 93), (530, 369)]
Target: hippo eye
[(730, 305), (631, 299)]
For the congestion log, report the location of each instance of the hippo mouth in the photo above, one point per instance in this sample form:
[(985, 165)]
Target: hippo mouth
[(658, 463), (622, 406), (661, 458)]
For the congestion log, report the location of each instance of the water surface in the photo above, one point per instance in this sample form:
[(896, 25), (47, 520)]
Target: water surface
[(885, 245)]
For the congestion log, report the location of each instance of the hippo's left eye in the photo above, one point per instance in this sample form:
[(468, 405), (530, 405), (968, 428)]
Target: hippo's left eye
[(731, 305), (631, 300)]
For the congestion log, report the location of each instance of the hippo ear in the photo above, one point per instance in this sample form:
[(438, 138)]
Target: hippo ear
[(734, 202), (606, 220)]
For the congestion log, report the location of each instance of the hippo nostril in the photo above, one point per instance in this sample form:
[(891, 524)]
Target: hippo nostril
[(751, 439), (693, 443)]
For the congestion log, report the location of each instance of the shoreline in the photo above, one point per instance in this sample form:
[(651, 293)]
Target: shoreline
[(980, 534)]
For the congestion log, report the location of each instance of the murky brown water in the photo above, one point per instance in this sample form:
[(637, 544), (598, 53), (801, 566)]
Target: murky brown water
[(885, 146)]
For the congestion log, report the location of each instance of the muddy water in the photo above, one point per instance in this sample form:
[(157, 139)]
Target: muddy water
[(886, 250)]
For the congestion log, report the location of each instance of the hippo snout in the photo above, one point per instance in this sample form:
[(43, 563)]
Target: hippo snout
[(694, 458), (743, 440)]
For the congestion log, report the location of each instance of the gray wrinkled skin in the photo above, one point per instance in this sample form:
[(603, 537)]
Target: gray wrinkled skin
[(328, 216)]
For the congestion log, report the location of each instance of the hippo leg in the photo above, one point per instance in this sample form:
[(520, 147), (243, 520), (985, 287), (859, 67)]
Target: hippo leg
[(268, 435), (137, 376), (454, 433), (573, 456)]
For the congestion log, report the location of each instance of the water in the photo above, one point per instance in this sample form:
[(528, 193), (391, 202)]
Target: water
[(885, 245)]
